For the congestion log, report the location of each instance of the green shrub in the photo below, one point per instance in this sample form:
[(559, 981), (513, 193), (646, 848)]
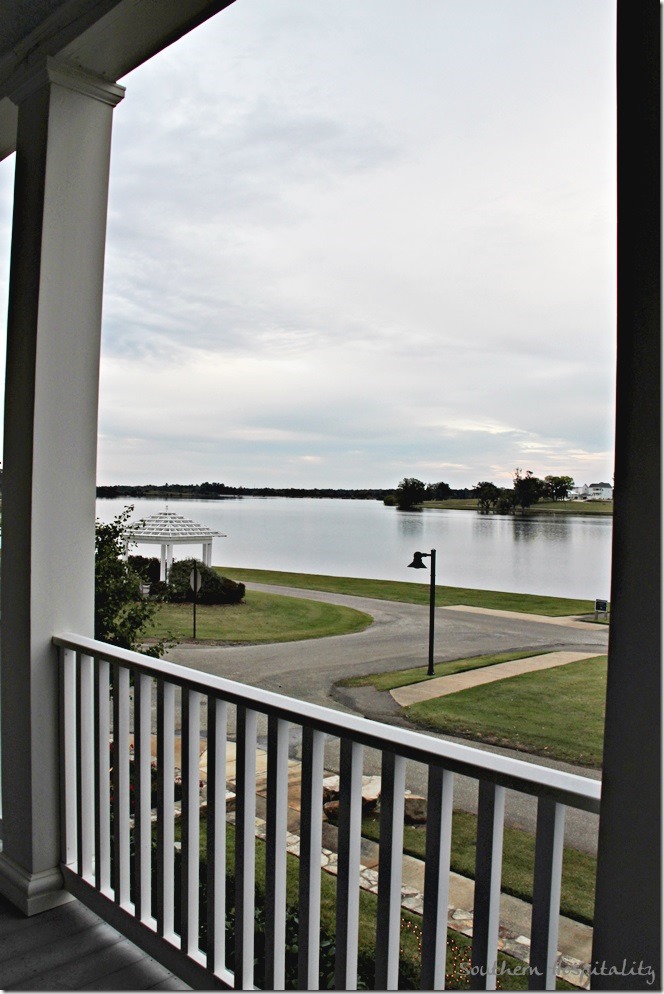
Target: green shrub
[(147, 567), (215, 589)]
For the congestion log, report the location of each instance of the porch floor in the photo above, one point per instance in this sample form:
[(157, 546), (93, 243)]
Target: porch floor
[(69, 948)]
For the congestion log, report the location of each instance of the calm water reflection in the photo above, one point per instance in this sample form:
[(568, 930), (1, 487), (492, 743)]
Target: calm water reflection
[(563, 556)]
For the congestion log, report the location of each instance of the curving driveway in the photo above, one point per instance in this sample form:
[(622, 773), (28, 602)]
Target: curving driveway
[(397, 639)]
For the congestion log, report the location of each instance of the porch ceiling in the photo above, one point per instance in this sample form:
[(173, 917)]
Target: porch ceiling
[(107, 38)]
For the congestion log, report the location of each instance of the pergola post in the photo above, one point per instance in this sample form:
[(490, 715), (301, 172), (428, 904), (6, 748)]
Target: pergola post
[(50, 446)]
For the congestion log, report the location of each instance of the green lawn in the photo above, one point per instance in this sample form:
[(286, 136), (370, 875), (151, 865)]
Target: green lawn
[(262, 618), (558, 713), (403, 678), (415, 593)]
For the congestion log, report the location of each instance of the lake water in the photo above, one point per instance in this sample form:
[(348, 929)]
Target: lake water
[(560, 555)]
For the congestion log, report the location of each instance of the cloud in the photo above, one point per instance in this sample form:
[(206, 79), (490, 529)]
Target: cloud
[(349, 243)]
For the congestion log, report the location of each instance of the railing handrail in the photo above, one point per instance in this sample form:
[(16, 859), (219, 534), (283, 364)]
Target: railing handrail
[(530, 778)]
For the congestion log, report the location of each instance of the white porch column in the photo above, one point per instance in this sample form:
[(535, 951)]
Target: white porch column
[(169, 560), (50, 446), (162, 565)]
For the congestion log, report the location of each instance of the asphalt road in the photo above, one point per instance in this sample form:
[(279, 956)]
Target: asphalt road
[(398, 638)]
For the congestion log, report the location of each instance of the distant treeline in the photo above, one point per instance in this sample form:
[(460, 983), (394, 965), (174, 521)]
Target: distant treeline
[(216, 491)]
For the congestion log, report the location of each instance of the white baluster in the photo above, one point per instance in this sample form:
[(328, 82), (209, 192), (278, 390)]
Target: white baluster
[(348, 879), (313, 745)]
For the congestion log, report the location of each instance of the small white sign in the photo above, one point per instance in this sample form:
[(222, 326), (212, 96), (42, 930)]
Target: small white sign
[(195, 578)]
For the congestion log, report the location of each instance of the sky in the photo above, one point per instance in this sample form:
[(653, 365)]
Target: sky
[(350, 242)]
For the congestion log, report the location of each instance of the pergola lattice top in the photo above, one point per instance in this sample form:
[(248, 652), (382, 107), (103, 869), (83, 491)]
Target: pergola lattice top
[(169, 528)]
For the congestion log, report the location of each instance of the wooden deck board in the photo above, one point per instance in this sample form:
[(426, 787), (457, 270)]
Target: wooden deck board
[(90, 970), (71, 948), (138, 975)]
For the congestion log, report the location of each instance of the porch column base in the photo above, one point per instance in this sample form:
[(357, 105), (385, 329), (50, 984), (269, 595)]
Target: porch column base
[(32, 893)]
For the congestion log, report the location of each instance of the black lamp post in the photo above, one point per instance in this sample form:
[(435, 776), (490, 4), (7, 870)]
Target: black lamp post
[(418, 564)]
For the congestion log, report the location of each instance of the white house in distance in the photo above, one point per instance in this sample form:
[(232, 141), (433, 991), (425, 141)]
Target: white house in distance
[(600, 491), (593, 491)]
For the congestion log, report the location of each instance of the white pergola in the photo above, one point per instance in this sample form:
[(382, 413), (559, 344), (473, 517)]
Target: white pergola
[(168, 529)]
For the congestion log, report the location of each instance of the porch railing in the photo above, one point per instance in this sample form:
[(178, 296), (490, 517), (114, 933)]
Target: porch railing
[(121, 860)]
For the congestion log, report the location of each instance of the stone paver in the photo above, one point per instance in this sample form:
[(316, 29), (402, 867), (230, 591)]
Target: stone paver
[(443, 685)]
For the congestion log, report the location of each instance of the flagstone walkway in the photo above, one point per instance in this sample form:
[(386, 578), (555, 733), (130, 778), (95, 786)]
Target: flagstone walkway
[(574, 941)]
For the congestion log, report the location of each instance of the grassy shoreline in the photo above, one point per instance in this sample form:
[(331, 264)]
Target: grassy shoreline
[(415, 593), (580, 508)]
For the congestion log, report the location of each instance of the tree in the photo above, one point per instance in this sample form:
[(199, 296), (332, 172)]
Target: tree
[(505, 501), (557, 487), (410, 492), (527, 489), (487, 494), (438, 491), (122, 615)]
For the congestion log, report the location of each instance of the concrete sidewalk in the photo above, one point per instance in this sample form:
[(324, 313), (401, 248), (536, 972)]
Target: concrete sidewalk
[(443, 685), (570, 621)]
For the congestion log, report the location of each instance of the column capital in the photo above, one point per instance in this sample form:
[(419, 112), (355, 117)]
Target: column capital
[(57, 72)]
